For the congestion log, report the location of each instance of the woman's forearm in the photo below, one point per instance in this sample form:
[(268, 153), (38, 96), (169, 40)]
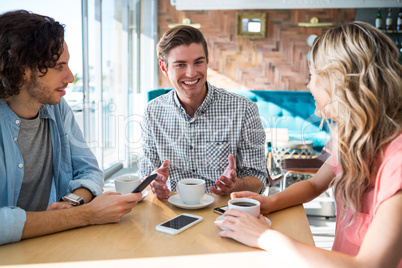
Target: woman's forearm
[(303, 191), (302, 255), (295, 194)]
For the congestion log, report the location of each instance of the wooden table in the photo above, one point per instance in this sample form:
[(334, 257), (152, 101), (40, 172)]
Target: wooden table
[(135, 242)]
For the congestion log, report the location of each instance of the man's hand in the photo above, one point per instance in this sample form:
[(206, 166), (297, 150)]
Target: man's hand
[(110, 207), (59, 205), (158, 186), (227, 181), (83, 192)]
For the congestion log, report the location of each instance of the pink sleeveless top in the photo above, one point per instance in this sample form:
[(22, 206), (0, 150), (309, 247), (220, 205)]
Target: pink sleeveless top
[(386, 183)]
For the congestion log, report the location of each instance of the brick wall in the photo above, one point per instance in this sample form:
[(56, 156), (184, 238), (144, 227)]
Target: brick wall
[(277, 62)]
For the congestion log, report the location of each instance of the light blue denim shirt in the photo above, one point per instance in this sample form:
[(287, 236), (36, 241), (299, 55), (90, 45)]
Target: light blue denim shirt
[(74, 165)]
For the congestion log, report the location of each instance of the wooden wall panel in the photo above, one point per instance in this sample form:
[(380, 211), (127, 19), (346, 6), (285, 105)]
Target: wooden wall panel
[(277, 62)]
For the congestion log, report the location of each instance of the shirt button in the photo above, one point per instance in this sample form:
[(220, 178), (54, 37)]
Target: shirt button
[(20, 165), (194, 170), (17, 121), (15, 138), (191, 147)]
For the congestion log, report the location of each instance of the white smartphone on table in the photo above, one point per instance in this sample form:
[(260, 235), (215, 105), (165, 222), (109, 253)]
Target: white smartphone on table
[(178, 224)]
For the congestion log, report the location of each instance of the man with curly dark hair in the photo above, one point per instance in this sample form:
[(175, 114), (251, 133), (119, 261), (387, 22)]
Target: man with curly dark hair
[(49, 177)]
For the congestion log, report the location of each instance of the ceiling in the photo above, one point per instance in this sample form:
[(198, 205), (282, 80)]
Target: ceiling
[(281, 4)]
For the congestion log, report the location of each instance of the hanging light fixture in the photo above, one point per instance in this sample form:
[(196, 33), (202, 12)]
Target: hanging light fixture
[(186, 21), (314, 22)]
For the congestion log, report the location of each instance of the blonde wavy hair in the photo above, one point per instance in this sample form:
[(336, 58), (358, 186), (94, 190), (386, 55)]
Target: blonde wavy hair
[(360, 66)]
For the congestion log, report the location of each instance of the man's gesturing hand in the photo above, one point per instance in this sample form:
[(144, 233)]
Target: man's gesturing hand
[(158, 186), (228, 179)]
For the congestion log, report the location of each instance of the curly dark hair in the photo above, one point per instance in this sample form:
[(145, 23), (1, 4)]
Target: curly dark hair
[(27, 40)]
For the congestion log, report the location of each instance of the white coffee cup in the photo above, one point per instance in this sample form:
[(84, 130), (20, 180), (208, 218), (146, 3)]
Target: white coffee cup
[(125, 184), (248, 205), (191, 191)]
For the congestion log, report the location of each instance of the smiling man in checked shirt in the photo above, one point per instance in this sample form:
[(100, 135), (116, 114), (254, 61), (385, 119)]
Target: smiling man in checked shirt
[(198, 130)]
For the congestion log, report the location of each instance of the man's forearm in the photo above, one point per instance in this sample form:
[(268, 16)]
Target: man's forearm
[(249, 183), (85, 194), (52, 221)]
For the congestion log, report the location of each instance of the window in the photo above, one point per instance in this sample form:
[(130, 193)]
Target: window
[(105, 39), (110, 64)]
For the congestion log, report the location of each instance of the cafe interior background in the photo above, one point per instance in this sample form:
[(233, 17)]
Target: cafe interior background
[(112, 55), (112, 49)]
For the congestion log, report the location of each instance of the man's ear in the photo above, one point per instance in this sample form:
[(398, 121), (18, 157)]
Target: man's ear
[(26, 73), (163, 67)]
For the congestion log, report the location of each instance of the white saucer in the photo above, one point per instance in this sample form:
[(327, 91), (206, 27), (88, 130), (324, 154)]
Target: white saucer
[(176, 200), (221, 218), (144, 194)]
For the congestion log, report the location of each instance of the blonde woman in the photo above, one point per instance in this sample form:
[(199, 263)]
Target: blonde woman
[(357, 83)]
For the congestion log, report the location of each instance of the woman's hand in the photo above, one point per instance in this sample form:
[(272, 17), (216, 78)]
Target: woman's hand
[(243, 226), (266, 203)]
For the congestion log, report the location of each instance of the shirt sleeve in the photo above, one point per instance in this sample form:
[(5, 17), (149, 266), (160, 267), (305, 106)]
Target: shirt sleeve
[(149, 158), (251, 160), (12, 222), (389, 179)]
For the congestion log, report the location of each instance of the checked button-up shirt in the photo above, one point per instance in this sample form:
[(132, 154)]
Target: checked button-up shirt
[(198, 147)]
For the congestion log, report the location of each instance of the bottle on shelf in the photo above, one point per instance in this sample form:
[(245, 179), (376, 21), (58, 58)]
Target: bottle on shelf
[(398, 44), (388, 21), (400, 55), (378, 20), (399, 21)]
